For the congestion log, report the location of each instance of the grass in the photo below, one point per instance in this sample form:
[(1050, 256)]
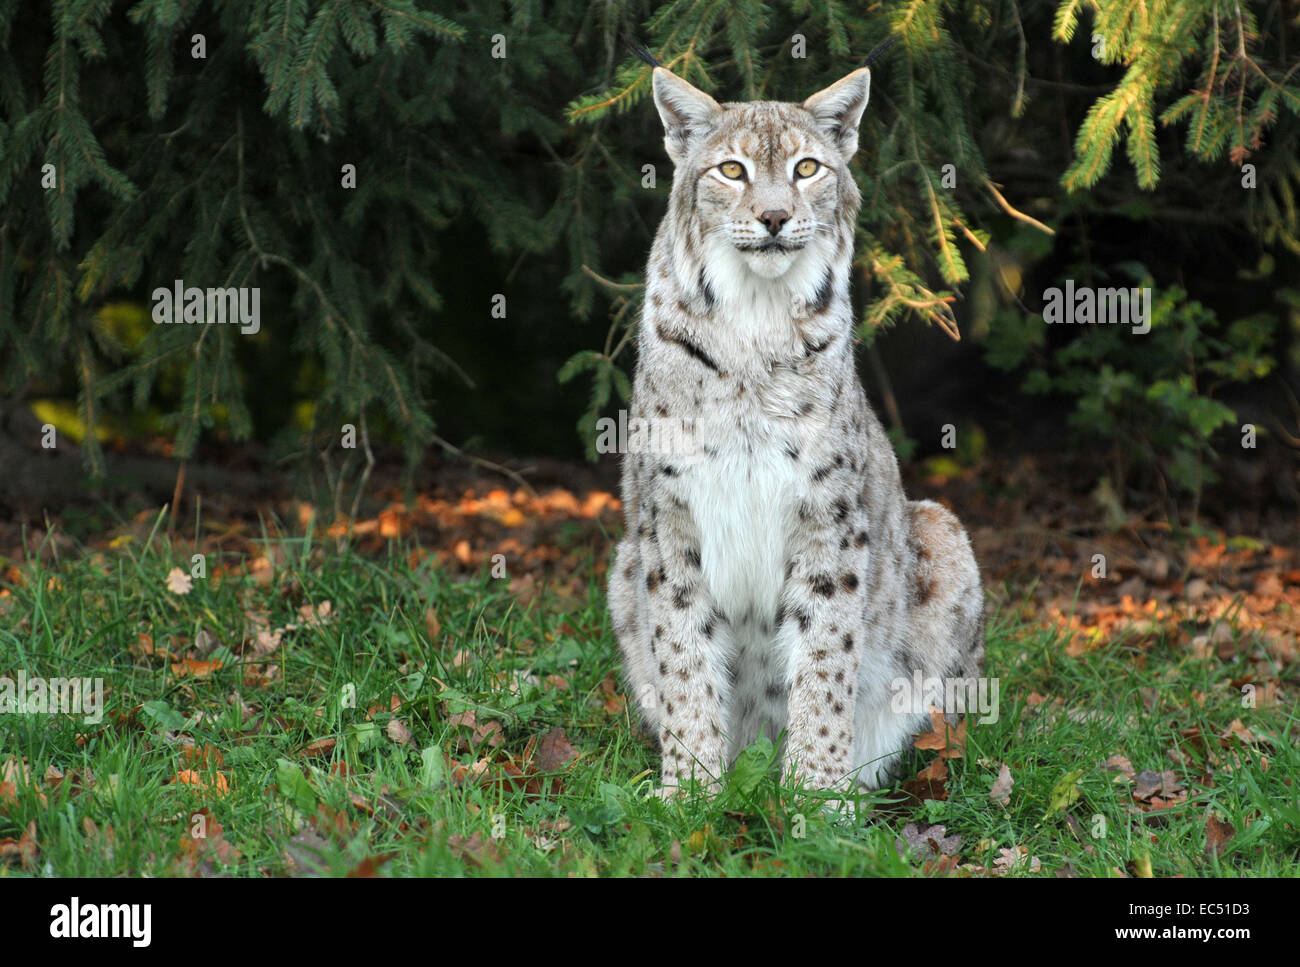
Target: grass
[(290, 762)]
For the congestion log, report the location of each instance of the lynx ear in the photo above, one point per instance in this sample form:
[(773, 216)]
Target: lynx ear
[(838, 109), (685, 110)]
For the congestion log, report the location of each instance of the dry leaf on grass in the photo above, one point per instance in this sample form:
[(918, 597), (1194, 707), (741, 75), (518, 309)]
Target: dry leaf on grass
[(178, 582), (195, 667), (321, 747), (1016, 859), (21, 851), (554, 751), (203, 842), (928, 841), (217, 783), (929, 783), (1120, 764), (1158, 790), (1001, 792), (1217, 835), (399, 733), (476, 848), (305, 854), (947, 740)]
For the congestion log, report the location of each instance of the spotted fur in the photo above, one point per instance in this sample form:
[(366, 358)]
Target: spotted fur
[(773, 576)]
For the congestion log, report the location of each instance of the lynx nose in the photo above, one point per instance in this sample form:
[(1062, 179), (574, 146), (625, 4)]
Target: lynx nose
[(774, 219)]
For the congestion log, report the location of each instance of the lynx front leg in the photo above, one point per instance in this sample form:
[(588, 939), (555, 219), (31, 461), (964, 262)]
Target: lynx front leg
[(690, 667), (823, 628)]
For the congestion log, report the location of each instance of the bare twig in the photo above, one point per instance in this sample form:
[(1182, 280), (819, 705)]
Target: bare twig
[(611, 284), (1015, 213), (486, 464)]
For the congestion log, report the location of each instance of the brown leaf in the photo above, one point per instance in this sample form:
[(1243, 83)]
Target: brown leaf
[(1017, 859), (948, 741), (1160, 789), (398, 732), (369, 867), (614, 702), (929, 783), (929, 841), (554, 751), (195, 667), (476, 848), (320, 747), (1120, 764), (202, 755), (1217, 835), (1001, 792), (22, 850), (1237, 730), (305, 854), (218, 784), (489, 731), (203, 842)]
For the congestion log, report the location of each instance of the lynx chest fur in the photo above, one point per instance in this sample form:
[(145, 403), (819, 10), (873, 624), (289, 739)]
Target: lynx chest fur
[(772, 576)]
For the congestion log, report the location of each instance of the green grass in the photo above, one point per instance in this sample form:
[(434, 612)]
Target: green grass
[(83, 616)]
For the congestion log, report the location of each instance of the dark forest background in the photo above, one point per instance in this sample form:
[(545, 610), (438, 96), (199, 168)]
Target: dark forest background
[(500, 150)]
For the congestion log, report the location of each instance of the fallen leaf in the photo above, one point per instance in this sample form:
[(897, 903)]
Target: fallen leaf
[(1064, 792), (305, 854), (178, 582), (22, 850), (1001, 792), (398, 732), (554, 751), (203, 755), (369, 867), (948, 741), (320, 747), (1237, 730), (203, 842), (476, 848), (1016, 859), (1148, 785), (931, 840), (196, 667), (189, 777), (929, 783), (1217, 835), (1120, 764)]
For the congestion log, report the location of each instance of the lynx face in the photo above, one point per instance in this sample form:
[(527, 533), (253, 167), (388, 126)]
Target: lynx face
[(769, 181)]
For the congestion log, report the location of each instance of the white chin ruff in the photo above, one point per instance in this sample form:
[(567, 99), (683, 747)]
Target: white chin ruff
[(770, 265)]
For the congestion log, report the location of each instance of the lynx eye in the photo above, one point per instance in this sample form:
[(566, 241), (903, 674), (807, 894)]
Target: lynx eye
[(733, 170), (807, 168)]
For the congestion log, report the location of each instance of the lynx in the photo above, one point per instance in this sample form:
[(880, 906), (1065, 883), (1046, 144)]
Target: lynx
[(772, 576)]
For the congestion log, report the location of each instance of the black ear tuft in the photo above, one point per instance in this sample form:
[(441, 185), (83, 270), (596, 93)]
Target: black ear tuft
[(640, 51), (881, 49)]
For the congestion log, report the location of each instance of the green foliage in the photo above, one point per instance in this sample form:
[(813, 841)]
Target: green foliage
[(225, 170), (1151, 396), (917, 228), (1235, 102)]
